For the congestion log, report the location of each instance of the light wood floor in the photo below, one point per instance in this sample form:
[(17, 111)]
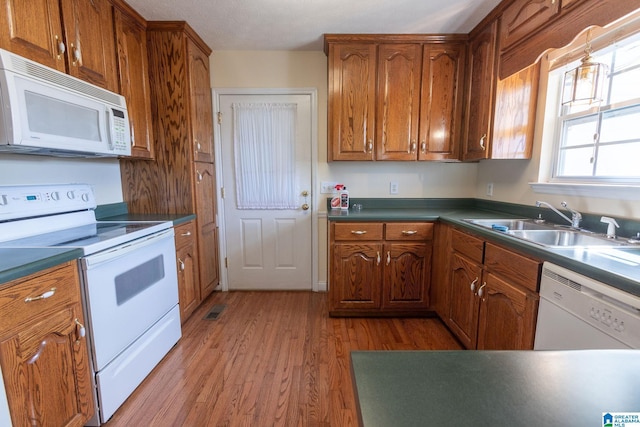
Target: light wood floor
[(271, 358)]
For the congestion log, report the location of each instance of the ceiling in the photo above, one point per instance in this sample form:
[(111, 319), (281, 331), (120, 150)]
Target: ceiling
[(300, 24)]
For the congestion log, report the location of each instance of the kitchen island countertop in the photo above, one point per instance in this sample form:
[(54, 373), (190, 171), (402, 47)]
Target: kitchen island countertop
[(494, 388)]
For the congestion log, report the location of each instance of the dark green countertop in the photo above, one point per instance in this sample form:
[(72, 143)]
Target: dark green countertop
[(494, 388), (594, 263), (16, 263)]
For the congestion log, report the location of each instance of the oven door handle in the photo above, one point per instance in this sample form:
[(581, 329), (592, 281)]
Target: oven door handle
[(91, 261)]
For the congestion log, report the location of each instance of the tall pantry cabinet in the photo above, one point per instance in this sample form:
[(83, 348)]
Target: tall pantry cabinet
[(181, 178)]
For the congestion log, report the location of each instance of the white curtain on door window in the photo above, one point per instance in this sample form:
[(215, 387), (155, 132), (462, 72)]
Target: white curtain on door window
[(264, 141)]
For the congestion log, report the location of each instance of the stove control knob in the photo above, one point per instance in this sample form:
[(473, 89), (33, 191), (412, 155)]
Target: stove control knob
[(3, 200), (71, 194), (85, 197), (55, 196)]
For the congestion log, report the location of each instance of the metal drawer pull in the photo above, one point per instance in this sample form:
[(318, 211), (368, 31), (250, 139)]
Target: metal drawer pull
[(187, 234), (359, 232), (81, 330), (181, 264), (378, 259), (480, 291), (388, 257), (45, 295), (473, 285), (409, 232)]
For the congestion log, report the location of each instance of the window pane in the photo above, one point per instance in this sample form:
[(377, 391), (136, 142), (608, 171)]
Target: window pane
[(575, 162), (579, 131), (625, 86), (619, 160), (620, 125)]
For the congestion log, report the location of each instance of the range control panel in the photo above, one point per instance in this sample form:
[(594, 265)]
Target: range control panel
[(29, 201)]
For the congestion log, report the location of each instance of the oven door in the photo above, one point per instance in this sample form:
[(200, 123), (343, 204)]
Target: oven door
[(127, 290)]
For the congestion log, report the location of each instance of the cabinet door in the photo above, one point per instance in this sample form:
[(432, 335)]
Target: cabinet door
[(524, 17), (188, 280), (201, 108), (356, 276), (398, 101), (43, 351), (515, 114), (91, 52), (133, 73), (407, 270), (352, 92), (465, 279), (507, 316), (441, 101), (480, 84), (207, 227), (33, 29)]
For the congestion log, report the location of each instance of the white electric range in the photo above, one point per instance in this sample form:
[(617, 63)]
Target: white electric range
[(129, 280)]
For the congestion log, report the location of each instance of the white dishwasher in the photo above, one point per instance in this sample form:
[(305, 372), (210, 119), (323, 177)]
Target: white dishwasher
[(577, 312)]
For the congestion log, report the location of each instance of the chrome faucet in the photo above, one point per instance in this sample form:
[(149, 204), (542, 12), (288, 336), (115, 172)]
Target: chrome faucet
[(576, 216)]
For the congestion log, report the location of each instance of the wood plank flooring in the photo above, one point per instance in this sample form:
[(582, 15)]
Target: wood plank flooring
[(270, 359)]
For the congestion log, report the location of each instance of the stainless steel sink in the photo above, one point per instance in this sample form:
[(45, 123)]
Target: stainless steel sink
[(564, 238), (511, 224)]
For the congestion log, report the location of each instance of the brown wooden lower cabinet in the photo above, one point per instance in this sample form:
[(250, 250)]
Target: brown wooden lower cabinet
[(493, 299), (187, 259), (379, 268), (43, 349)]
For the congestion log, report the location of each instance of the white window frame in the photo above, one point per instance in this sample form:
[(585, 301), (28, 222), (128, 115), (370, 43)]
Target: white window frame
[(552, 128)]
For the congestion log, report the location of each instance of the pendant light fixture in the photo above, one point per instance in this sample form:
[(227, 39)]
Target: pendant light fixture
[(584, 84)]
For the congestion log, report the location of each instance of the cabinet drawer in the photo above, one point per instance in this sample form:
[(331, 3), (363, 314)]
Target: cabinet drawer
[(16, 310), (467, 245), (409, 231), (357, 231), (517, 269), (185, 233)]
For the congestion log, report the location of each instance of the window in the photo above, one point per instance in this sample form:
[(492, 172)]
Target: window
[(600, 143)]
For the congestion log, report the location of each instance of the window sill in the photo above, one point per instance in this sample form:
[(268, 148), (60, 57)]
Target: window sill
[(607, 191)]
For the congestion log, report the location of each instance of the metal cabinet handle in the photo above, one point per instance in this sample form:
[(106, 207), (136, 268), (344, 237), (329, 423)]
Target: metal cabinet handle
[(187, 234), (61, 47), (199, 176), (473, 285), (75, 54), (388, 257), (413, 146), (198, 146), (378, 257), (480, 291), (81, 331), (181, 264), (358, 232), (45, 295), (423, 147), (370, 146), (409, 232), (482, 141)]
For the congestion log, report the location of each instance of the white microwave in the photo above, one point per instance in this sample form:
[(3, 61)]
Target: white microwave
[(44, 111)]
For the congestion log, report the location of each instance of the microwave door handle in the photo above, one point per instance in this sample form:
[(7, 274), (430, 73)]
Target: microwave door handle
[(109, 128)]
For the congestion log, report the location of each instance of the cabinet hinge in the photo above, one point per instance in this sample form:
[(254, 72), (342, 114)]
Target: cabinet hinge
[(219, 117)]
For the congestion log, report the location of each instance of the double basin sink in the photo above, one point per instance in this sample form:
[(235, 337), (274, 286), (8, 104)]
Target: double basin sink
[(547, 234)]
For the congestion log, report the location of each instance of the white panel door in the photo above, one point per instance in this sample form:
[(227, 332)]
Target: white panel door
[(268, 249)]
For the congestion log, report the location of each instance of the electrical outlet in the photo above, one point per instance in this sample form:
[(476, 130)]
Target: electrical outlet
[(327, 187), (393, 187), (490, 189)]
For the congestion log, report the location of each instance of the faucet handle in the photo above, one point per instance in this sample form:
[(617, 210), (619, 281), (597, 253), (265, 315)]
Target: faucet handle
[(611, 227)]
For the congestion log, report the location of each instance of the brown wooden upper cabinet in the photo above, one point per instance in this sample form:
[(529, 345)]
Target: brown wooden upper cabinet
[(395, 97), (523, 17), (73, 36), (133, 74)]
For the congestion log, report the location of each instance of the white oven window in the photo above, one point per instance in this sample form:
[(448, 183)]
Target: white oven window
[(134, 281)]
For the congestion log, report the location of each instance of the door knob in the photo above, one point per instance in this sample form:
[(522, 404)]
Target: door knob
[(305, 193), (305, 207)]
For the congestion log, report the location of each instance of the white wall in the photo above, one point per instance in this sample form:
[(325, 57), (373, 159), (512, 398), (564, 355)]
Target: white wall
[(103, 174)]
